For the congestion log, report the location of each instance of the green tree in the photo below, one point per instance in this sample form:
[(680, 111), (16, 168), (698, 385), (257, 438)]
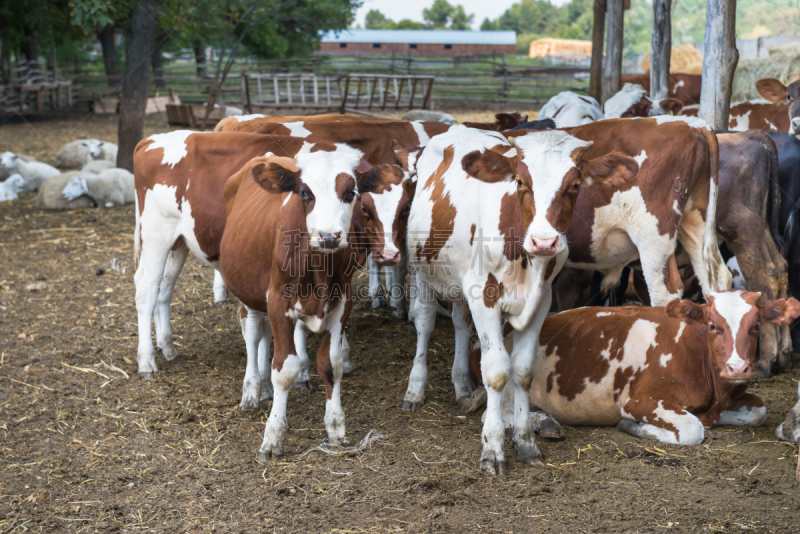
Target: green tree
[(439, 14), (460, 20), (488, 25), (408, 24), (375, 20), (531, 16)]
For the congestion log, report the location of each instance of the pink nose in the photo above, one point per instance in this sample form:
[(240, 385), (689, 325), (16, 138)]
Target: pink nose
[(393, 258), (738, 373), (544, 246)]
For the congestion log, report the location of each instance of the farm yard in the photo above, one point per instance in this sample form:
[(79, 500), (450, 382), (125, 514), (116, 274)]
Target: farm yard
[(88, 446)]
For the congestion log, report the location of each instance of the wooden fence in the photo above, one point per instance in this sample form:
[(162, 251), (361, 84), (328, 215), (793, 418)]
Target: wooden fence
[(475, 81)]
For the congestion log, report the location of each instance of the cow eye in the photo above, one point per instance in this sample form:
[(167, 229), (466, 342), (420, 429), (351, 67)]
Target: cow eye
[(304, 195), (350, 196), (757, 327), (519, 183), (364, 211), (576, 186), (711, 327)]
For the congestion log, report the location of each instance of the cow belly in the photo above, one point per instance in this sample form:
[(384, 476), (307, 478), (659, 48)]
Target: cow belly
[(613, 247), (594, 407)]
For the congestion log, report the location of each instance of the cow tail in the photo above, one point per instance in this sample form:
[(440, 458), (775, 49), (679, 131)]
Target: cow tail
[(137, 238), (719, 277)]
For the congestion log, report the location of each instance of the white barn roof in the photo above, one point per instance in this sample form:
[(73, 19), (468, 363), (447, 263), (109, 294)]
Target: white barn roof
[(422, 37)]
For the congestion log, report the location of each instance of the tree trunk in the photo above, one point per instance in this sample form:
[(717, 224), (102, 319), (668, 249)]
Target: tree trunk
[(598, 32), (719, 62), (28, 48), (110, 57), (158, 64), (612, 67), (660, 50), (200, 59), (133, 101)]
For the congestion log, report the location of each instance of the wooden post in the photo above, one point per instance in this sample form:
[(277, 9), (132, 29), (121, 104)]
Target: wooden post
[(598, 33), (612, 66), (427, 101), (413, 91), (344, 94), (246, 93), (719, 62), (399, 93), (505, 77), (660, 50), (409, 62)]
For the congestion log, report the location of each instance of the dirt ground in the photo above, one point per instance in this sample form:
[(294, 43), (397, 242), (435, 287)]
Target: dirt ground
[(85, 449)]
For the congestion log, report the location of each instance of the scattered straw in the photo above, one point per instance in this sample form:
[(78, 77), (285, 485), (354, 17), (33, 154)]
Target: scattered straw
[(337, 450)]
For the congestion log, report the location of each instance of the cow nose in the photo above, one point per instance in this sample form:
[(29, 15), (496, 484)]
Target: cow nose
[(738, 371), (544, 245), (393, 258), (795, 126), (330, 240)]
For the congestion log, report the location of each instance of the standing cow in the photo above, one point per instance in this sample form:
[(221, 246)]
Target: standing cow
[(487, 233)]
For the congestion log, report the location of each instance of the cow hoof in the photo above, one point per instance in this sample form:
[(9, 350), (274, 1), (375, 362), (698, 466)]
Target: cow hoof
[(399, 313), (149, 375), (550, 430), (529, 454), (170, 353), (220, 303), (413, 406), (262, 455), (378, 302), (248, 403), (412, 329), (492, 466)]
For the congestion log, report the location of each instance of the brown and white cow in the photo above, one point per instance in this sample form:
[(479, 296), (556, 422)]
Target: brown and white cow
[(683, 87), (180, 208), (752, 115), (786, 96), (648, 216), (633, 101), (663, 373), (487, 233), (288, 252)]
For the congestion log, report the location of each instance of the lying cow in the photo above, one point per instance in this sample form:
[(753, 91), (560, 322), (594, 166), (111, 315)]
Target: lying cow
[(503, 121), (633, 101), (288, 252), (683, 87), (657, 373), (569, 109), (487, 233)]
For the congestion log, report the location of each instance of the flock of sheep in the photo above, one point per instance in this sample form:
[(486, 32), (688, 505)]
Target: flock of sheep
[(85, 175)]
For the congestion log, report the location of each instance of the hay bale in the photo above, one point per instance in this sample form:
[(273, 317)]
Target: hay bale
[(682, 60), (782, 63), (566, 49)]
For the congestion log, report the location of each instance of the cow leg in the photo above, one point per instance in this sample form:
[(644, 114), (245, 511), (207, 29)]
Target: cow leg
[(304, 377), (375, 284), (706, 260), (397, 287), (671, 423), (546, 426), (789, 430), (349, 367), (264, 360), (253, 332), (329, 367), (568, 288), (149, 273), (460, 373), (747, 410), (220, 291), (164, 341), (424, 321), (785, 350), (413, 291), (495, 368), (285, 368), (660, 273)]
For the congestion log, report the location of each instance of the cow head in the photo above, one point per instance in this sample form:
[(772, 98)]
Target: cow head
[(8, 160), (777, 93), (568, 110), (632, 101), (507, 121), (325, 183), (552, 170), (94, 147), (386, 195), (732, 321)]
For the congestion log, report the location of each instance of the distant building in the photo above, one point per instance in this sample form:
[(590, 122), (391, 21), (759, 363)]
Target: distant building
[(563, 49), (426, 43)]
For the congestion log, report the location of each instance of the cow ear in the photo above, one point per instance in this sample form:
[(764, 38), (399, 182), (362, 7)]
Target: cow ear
[(612, 170), (488, 166), (687, 310), (506, 121), (363, 167), (672, 106), (275, 178), (409, 188), (780, 312), (772, 90)]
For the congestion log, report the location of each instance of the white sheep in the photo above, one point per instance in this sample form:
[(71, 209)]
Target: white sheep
[(112, 187), (34, 172), (13, 185), (50, 194), (5, 173), (76, 154), (97, 166)]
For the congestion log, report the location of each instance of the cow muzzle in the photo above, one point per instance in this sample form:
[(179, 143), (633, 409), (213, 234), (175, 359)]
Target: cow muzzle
[(330, 241), (737, 374), (386, 259), (544, 247), (794, 129)]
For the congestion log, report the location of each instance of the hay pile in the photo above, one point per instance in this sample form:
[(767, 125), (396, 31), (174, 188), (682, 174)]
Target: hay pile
[(782, 63), (567, 49), (682, 60)]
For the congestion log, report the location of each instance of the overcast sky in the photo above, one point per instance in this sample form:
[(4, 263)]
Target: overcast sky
[(412, 9)]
